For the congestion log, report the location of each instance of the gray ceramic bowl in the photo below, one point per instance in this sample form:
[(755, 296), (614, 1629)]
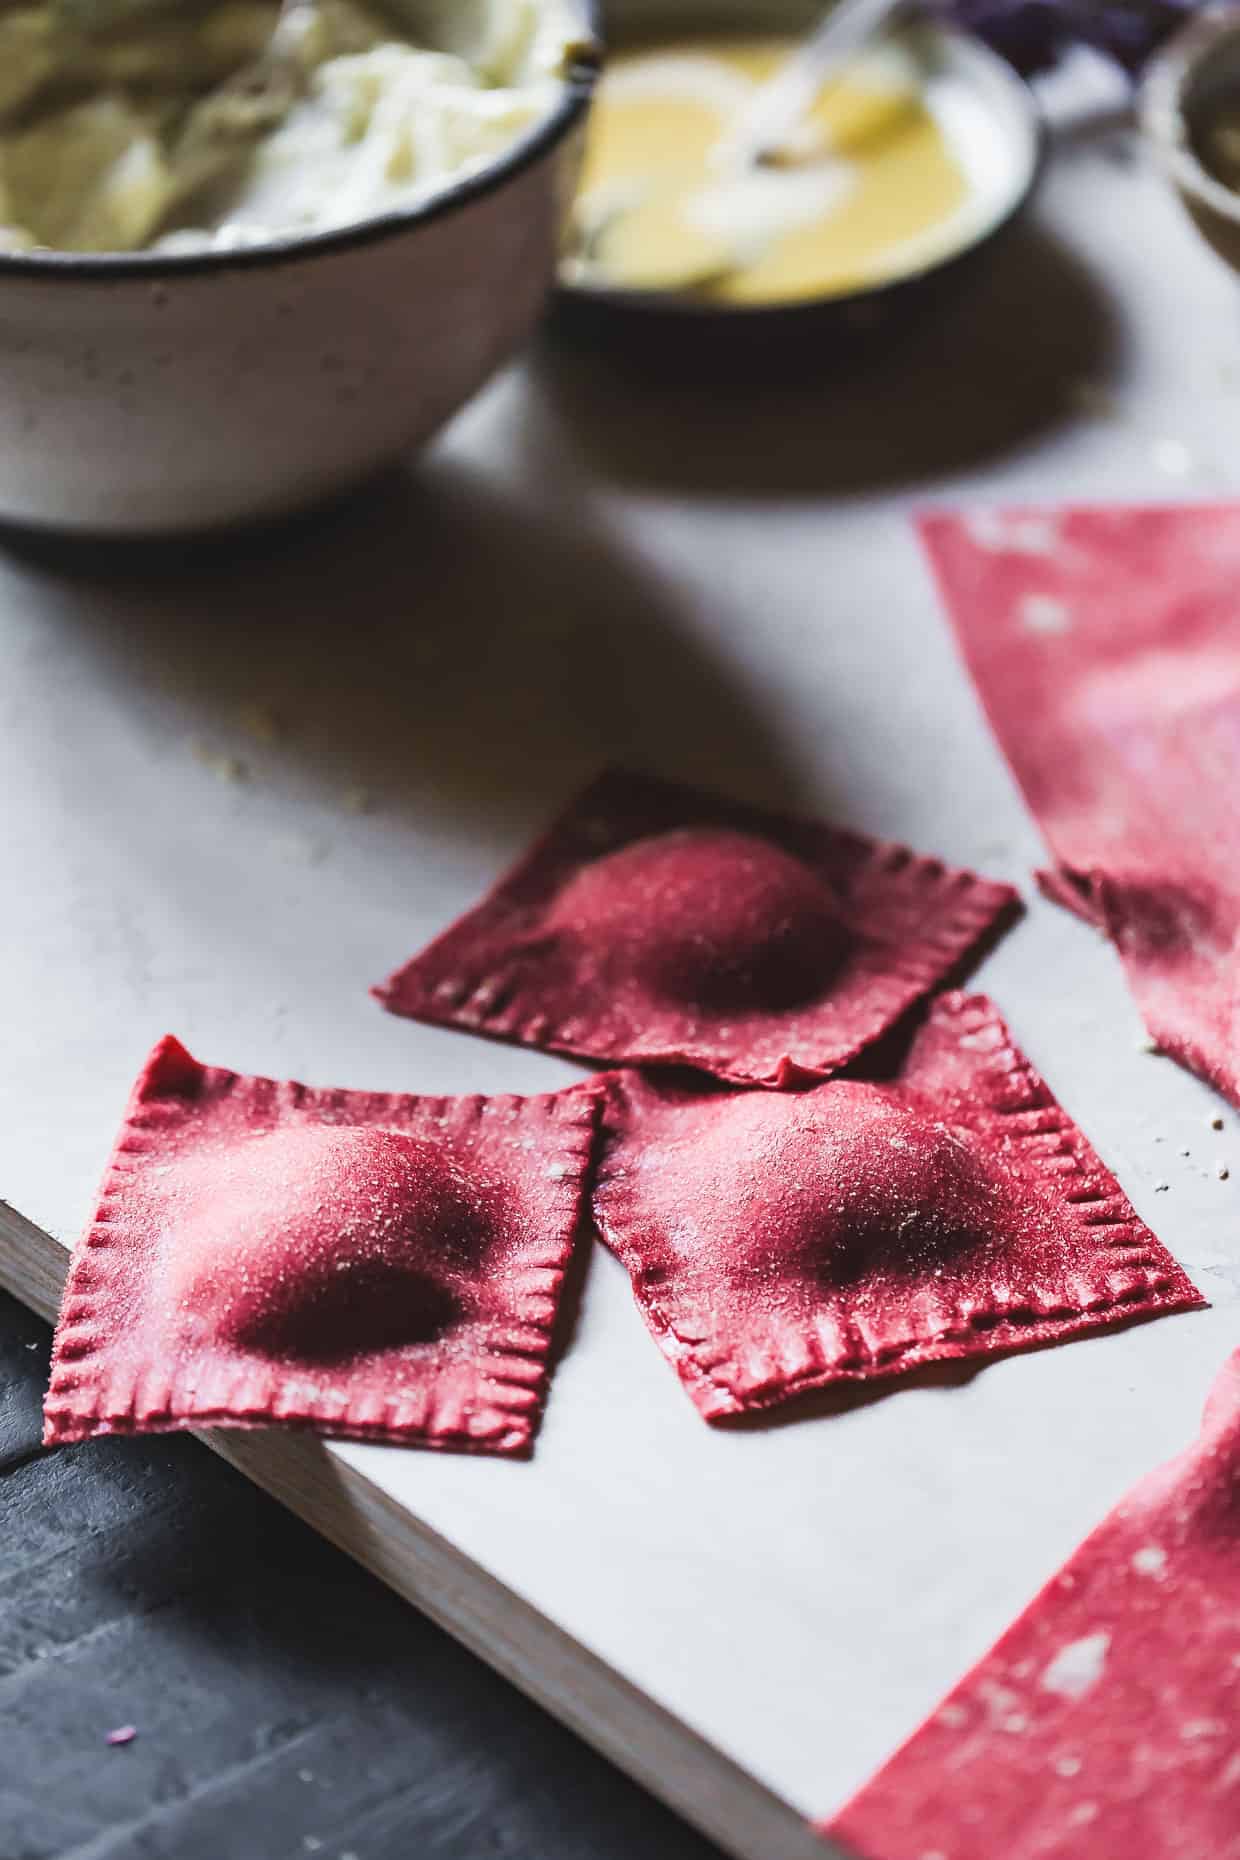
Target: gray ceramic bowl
[(1184, 84), (154, 392)]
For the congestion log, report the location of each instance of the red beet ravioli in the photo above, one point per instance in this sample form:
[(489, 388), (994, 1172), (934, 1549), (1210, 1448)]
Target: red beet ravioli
[(1103, 1724), (657, 925), (779, 1242), (382, 1267)]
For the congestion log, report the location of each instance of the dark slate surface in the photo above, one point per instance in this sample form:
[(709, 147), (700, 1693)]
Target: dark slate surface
[(286, 1704)]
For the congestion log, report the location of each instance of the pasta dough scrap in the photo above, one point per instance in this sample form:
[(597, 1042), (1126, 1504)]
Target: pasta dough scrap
[(1103, 1722), (1103, 644)]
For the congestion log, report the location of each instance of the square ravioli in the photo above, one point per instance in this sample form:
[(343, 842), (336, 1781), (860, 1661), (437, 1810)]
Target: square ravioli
[(1103, 1724), (376, 1266), (780, 1242), (657, 925)]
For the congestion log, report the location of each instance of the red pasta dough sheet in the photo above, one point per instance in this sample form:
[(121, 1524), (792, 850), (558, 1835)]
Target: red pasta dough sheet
[(1105, 646), (382, 1267), (1103, 1724), (781, 1242), (657, 925)]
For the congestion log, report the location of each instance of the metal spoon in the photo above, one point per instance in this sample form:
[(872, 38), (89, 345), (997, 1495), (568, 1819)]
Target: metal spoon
[(762, 131)]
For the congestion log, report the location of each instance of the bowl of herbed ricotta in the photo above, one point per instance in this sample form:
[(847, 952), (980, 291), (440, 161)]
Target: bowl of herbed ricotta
[(251, 251)]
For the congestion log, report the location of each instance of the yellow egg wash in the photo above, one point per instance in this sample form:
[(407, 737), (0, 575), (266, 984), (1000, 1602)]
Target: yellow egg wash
[(867, 188)]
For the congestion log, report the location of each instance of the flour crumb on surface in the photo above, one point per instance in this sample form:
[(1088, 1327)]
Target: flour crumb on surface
[(992, 530), (1078, 1666), (1150, 1561), (1044, 613)]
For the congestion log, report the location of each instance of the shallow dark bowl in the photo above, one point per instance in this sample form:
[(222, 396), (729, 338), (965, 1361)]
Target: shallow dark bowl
[(678, 328)]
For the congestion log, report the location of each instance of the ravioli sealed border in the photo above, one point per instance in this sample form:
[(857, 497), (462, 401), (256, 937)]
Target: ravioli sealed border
[(658, 925), (375, 1266), (780, 1243)]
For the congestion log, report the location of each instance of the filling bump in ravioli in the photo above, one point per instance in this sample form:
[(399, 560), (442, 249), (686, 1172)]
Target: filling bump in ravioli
[(316, 1243), (657, 925), (780, 1242), (381, 1266)]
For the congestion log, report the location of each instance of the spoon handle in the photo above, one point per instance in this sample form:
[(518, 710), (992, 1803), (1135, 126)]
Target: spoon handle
[(778, 105)]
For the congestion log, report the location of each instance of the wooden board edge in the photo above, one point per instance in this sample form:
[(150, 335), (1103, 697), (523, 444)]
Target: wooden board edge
[(666, 1757)]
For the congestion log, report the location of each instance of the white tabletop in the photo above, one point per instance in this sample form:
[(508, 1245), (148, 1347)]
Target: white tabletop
[(725, 588)]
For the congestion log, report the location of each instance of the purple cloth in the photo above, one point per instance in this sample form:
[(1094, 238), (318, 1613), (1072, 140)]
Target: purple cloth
[(1033, 33)]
